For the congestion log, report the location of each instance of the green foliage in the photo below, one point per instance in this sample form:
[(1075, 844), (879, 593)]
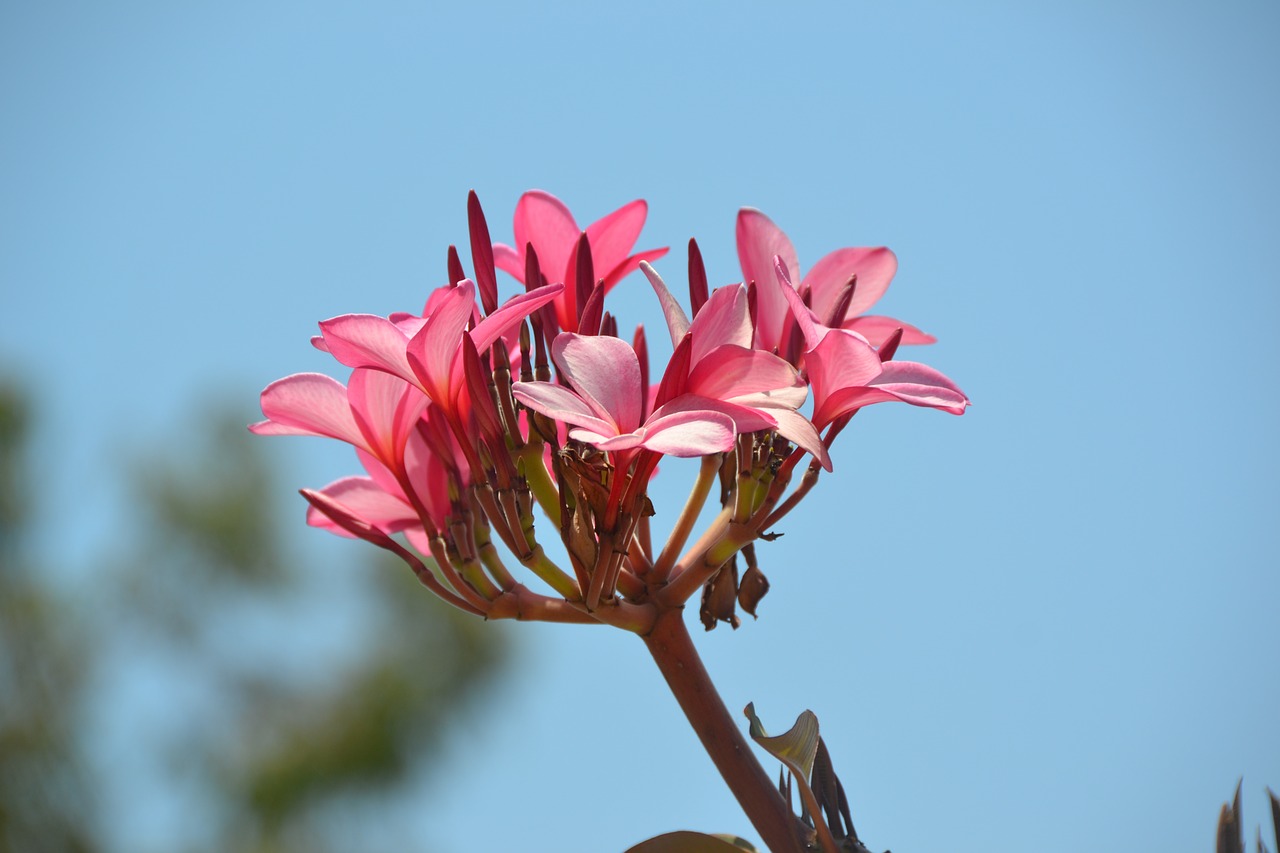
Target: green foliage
[(294, 737), (43, 787)]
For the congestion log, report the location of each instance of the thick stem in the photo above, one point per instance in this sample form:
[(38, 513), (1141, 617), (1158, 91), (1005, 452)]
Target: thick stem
[(672, 649)]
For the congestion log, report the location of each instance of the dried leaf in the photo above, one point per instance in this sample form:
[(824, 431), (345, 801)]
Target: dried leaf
[(719, 597), (753, 587)]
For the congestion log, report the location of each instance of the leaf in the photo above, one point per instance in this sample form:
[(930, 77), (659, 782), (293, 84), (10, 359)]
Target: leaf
[(1275, 816), (685, 841), (752, 588), (796, 749)]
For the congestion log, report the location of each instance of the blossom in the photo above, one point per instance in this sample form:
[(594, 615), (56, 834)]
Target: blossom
[(757, 389), (427, 351), (543, 221), (377, 413), (846, 373), (760, 241), (461, 436), (605, 403)]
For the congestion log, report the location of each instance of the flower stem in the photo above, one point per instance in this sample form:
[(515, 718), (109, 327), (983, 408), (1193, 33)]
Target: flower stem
[(673, 651), (688, 517)]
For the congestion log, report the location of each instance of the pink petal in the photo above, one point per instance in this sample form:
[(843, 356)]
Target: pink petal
[(365, 340), (543, 220), (878, 329), (613, 236), (759, 241), (511, 313), (731, 371), (431, 351), (841, 360), (360, 498), (606, 374), (561, 404), (308, 404), (333, 516), (812, 330), (745, 418), (429, 476), (615, 443), (629, 266), (677, 321), (385, 408), (381, 474), (509, 260), (797, 429), (689, 433), (905, 381), (874, 268), (724, 319)]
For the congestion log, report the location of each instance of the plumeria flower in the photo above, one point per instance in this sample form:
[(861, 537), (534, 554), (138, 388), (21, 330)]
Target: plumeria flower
[(377, 414), (543, 221), (846, 373), (760, 241), (604, 402), (756, 388), (427, 352)]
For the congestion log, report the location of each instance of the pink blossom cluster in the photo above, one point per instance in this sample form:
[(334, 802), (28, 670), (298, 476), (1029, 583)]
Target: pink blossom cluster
[(469, 414)]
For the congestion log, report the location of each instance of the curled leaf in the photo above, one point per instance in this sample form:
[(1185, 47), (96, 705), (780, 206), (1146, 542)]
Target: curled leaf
[(796, 748)]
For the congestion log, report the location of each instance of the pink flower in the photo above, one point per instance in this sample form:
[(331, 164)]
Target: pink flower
[(427, 352), (756, 388), (604, 405), (846, 373), (378, 414), (759, 241), (542, 220)]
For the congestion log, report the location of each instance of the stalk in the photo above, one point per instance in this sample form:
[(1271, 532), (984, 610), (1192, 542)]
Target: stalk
[(673, 651)]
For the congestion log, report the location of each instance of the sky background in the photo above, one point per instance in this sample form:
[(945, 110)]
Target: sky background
[(1050, 624)]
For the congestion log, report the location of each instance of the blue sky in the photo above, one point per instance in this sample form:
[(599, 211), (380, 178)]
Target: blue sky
[(1047, 624)]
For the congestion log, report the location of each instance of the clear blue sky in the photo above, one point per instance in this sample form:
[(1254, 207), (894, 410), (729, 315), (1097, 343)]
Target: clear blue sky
[(1050, 624)]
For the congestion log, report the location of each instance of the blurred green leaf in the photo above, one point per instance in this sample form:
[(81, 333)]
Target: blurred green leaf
[(685, 841)]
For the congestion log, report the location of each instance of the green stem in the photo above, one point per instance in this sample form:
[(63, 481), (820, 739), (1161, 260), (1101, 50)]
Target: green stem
[(673, 651), (539, 480), (688, 518)]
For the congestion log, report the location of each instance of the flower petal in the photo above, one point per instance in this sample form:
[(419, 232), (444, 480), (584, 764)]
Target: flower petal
[(874, 268), (731, 371), (724, 319), (629, 266), (385, 408), (613, 236), (689, 433), (605, 372), (543, 220), (361, 499), (906, 381), (510, 313), (797, 429), (366, 340), (677, 321), (308, 404), (759, 241), (809, 325), (431, 352), (877, 329), (561, 404), (509, 260)]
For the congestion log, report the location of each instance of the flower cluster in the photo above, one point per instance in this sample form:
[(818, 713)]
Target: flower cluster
[(468, 415)]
